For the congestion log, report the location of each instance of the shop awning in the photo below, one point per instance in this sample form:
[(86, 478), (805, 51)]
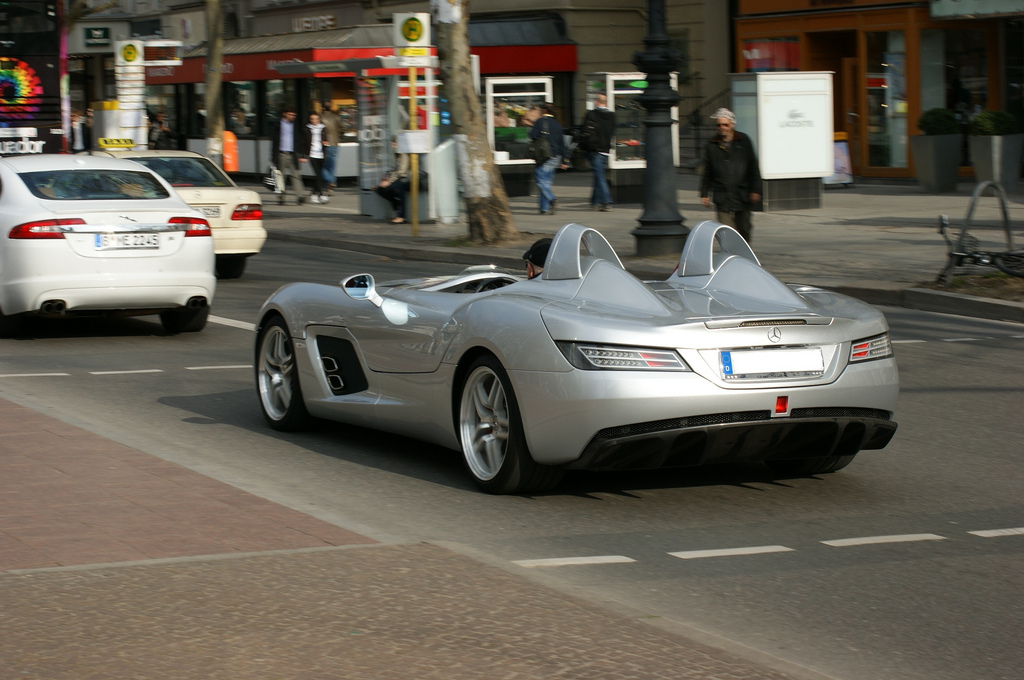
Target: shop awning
[(505, 46)]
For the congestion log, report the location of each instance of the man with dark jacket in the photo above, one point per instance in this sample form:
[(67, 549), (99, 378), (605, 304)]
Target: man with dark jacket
[(731, 174), (285, 142), (595, 137), (551, 129)]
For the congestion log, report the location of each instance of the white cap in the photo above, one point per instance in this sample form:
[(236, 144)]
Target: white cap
[(724, 113)]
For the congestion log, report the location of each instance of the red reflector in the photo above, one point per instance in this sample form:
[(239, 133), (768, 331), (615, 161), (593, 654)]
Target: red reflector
[(248, 211), (781, 404), (860, 350), (196, 225), (43, 228)]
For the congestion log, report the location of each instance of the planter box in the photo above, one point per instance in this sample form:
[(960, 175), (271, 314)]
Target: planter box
[(936, 161), (997, 159)]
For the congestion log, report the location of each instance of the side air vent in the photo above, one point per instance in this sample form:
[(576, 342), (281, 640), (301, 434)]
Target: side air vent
[(341, 367)]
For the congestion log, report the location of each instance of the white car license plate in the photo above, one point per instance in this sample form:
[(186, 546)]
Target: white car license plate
[(736, 364), (210, 211), (127, 241)]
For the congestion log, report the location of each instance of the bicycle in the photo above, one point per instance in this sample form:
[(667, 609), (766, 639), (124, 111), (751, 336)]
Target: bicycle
[(966, 249)]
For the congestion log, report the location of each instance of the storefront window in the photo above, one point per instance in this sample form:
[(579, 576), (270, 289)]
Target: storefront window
[(240, 108), (953, 70), (280, 93), (771, 54), (512, 106), (886, 100)]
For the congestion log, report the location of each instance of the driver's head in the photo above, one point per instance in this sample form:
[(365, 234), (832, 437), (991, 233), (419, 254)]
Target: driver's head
[(536, 256)]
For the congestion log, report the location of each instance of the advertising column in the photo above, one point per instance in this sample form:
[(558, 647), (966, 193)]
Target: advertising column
[(130, 75)]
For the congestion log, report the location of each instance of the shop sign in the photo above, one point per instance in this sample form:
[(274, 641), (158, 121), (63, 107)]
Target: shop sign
[(411, 34), (97, 36), (941, 9), (320, 22)]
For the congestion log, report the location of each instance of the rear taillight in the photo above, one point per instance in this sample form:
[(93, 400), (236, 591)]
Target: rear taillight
[(44, 228), (197, 226), (248, 211), (877, 347)]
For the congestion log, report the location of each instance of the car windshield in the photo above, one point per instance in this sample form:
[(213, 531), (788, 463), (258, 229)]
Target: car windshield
[(94, 185), (186, 172)]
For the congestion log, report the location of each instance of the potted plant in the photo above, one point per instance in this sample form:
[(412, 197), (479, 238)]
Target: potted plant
[(996, 145), (937, 150)]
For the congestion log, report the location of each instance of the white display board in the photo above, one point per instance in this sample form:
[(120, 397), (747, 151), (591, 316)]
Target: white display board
[(793, 132)]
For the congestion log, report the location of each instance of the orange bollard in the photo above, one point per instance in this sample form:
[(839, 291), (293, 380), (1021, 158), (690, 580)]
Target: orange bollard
[(230, 151)]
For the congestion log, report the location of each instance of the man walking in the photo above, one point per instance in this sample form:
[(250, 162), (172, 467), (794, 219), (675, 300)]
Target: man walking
[(595, 137), (284, 143), (332, 137), (549, 129), (731, 174)]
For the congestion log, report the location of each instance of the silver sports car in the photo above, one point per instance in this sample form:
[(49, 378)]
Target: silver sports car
[(588, 367)]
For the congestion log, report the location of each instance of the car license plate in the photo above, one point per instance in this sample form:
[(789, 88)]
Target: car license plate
[(757, 363), (210, 211), (127, 241)]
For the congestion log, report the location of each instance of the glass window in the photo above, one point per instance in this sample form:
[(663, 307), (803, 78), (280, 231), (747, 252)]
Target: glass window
[(280, 93), (886, 100), (771, 54), (953, 71), (93, 185), (513, 104), (186, 172), (240, 108)]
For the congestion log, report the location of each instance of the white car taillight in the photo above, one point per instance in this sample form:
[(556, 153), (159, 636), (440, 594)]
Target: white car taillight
[(877, 347), (43, 228), (611, 357), (196, 225), (248, 211)]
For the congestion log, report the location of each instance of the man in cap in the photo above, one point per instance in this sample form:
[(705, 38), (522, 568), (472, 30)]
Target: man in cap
[(731, 174), (536, 256)]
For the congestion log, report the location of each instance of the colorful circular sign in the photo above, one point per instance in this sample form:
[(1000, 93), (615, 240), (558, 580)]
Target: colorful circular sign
[(21, 90), (129, 52), (412, 29)]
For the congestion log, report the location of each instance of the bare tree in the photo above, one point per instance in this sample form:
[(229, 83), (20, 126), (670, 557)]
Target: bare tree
[(214, 66), (490, 220)]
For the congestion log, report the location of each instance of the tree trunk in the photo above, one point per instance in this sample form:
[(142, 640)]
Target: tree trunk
[(490, 220), (214, 77)]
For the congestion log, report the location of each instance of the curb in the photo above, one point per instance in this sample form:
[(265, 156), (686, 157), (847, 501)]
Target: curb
[(886, 294)]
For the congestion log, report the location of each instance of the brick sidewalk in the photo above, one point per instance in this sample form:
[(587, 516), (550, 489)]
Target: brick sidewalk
[(255, 590)]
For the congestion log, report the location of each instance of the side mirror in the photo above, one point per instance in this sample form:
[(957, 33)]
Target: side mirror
[(361, 287)]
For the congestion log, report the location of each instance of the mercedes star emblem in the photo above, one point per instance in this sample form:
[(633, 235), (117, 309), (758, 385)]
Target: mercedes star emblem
[(775, 335)]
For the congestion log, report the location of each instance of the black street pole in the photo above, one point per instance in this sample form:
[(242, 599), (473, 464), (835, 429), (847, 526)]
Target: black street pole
[(661, 229)]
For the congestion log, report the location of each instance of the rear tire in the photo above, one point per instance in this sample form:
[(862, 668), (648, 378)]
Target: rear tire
[(277, 378), (491, 432), (11, 326), (810, 466), (184, 319), (230, 266)]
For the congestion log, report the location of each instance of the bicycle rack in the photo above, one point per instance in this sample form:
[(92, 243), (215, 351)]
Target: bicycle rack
[(965, 250)]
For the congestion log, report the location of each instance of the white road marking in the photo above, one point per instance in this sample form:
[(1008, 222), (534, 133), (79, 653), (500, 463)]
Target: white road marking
[(872, 540), (244, 325), (571, 561), (729, 552), (992, 533), (141, 370), (31, 375), (906, 342), (215, 368), (960, 339)]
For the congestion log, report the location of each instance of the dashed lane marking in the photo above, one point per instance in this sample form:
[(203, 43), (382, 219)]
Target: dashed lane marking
[(216, 368), (962, 339), (573, 561), (992, 533), (730, 552), (873, 540), (31, 375), (244, 325), (141, 370), (907, 342)]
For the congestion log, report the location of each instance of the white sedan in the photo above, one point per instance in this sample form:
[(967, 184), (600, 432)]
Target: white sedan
[(92, 235), (235, 214)]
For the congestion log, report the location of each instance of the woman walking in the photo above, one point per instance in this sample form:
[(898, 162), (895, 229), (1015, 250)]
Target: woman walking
[(313, 151)]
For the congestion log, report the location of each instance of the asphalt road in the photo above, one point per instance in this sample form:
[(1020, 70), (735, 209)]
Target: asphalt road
[(897, 567)]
